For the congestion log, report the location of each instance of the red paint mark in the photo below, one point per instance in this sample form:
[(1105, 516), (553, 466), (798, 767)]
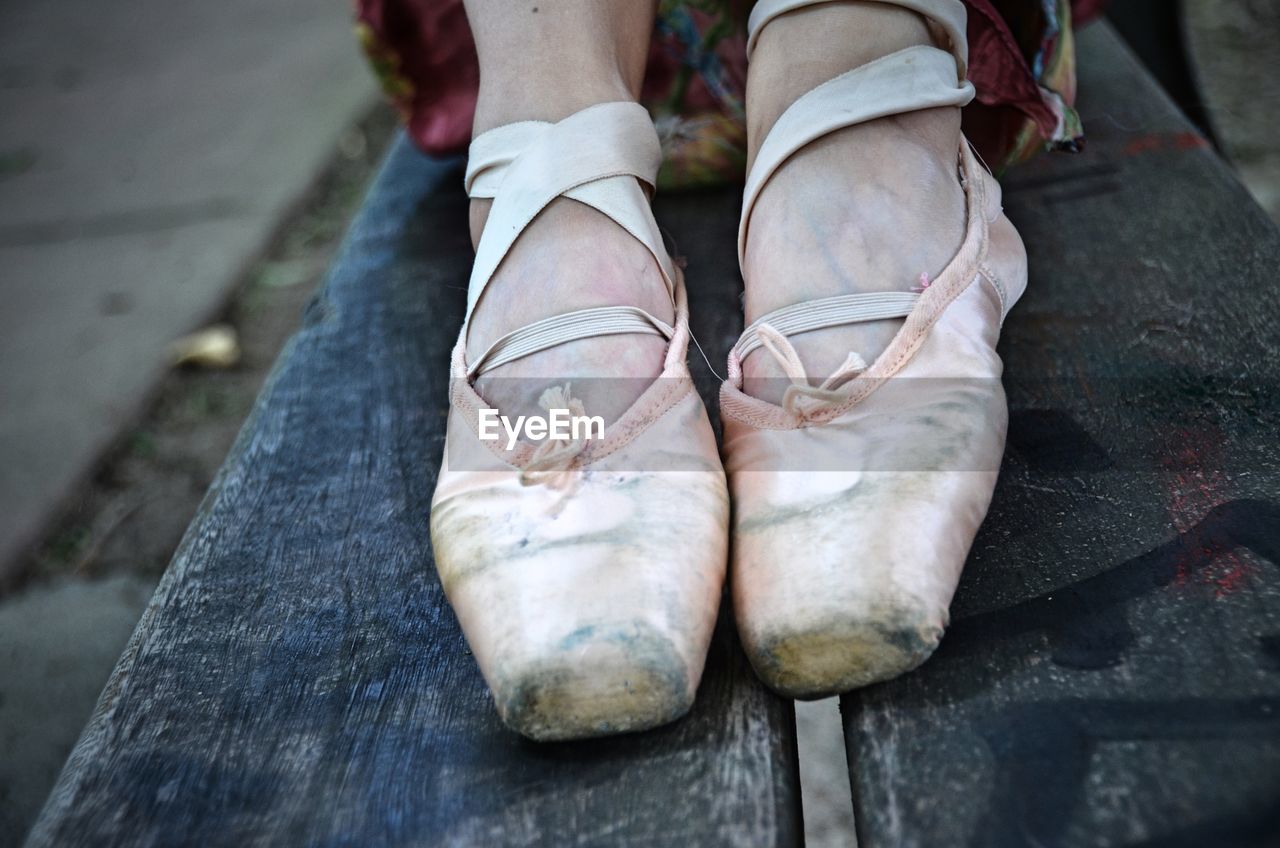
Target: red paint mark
[(1152, 142), (1195, 487), (1142, 144), (1188, 140)]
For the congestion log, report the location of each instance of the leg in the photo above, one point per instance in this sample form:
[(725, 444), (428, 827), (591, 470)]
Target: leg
[(545, 61), (868, 208)]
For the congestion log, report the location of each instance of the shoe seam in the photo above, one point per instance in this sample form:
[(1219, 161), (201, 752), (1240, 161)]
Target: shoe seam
[(635, 432), (1001, 292)]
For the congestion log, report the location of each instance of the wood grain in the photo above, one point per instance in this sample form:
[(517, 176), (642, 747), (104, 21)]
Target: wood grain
[(298, 677), (1112, 675)]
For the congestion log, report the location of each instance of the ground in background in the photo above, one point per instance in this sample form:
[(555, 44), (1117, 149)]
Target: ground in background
[(63, 628)]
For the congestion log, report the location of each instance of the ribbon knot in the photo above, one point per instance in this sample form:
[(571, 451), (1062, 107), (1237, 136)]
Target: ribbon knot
[(553, 458), (801, 397)]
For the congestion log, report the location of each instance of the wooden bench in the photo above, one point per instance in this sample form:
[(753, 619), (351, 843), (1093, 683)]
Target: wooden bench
[(1113, 673)]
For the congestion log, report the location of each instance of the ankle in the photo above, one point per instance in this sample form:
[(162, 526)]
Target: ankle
[(799, 51), (545, 61), (928, 139), (551, 95), (878, 204), (572, 256)]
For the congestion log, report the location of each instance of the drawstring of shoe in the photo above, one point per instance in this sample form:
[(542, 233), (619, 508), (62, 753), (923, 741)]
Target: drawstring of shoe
[(801, 397), (553, 458)]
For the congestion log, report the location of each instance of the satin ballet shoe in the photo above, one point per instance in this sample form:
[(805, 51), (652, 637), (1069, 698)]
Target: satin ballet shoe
[(585, 572), (856, 500)]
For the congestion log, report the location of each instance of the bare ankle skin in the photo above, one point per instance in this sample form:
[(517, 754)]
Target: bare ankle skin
[(868, 208)]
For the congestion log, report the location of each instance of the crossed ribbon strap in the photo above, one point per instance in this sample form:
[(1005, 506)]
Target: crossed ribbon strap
[(598, 156)]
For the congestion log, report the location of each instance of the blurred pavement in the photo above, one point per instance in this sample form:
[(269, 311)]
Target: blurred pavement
[(50, 677), (1234, 47), (147, 151)]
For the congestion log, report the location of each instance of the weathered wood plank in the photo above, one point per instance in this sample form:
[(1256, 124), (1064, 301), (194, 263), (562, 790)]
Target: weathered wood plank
[(299, 678), (1112, 676)]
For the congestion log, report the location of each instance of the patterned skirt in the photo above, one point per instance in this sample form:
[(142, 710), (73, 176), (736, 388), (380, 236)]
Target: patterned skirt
[(1022, 64)]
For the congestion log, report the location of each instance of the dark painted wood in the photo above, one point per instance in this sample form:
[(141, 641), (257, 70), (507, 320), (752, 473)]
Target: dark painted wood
[(299, 678), (1112, 675)]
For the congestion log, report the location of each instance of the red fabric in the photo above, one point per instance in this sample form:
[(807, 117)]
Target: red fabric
[(424, 51), (429, 49), (998, 70)]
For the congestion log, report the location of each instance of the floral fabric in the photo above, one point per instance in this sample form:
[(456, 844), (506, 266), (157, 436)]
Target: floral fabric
[(1022, 65)]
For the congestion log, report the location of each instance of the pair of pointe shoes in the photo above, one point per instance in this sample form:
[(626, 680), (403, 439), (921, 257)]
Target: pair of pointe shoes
[(587, 573)]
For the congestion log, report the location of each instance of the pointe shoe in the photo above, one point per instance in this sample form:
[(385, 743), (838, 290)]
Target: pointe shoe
[(856, 501), (586, 573)]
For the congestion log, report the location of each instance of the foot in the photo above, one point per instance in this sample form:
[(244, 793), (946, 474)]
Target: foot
[(571, 257), (868, 208)]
